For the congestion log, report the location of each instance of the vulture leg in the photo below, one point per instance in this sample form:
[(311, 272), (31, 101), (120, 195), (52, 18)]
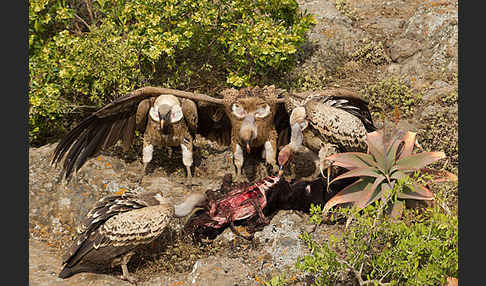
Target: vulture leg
[(147, 152), (238, 159), (186, 147), (326, 150), (126, 275), (271, 154)]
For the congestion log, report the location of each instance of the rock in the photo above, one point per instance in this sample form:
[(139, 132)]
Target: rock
[(403, 48), (281, 238), (220, 271)]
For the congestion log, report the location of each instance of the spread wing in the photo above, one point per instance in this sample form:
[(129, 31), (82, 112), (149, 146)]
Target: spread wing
[(214, 124), (337, 126), (143, 109), (189, 109), (346, 100), (102, 129)]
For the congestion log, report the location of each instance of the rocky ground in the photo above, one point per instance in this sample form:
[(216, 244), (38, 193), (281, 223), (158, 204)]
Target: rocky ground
[(401, 55)]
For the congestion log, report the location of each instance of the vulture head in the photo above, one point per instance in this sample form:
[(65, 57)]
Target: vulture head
[(166, 111), (298, 123)]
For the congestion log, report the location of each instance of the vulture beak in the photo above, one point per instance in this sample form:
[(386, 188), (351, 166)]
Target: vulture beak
[(280, 171), (284, 157), (248, 131), (164, 122)]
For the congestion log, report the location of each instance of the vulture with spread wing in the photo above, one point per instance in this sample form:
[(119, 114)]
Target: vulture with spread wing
[(165, 118), (326, 121)]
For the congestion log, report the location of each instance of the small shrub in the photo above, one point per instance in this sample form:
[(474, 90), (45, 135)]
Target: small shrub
[(371, 53), (344, 7), (441, 130), (421, 249), (385, 171), (390, 94)]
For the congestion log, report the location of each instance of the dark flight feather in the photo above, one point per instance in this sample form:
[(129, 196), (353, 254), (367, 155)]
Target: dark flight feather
[(100, 130)]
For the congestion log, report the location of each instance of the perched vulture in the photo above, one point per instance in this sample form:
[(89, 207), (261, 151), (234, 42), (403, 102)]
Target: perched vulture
[(252, 112), (326, 121), (165, 119), (117, 225)]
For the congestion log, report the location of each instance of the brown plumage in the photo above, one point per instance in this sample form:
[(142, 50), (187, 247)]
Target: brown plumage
[(327, 121), (117, 225), (164, 119), (252, 112)]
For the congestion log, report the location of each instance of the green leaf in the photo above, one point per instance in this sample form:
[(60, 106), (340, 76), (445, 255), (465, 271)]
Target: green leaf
[(439, 175), (398, 175), (391, 154), (371, 193), (350, 193), (409, 140), (377, 148)]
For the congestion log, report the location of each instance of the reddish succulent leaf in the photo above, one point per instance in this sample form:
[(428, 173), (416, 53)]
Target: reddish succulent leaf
[(350, 193), (359, 172), (371, 193), (391, 154), (439, 175), (419, 192), (398, 175), (385, 190), (351, 160), (418, 161), (409, 140), (376, 147)]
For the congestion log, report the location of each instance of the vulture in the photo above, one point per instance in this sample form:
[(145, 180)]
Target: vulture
[(117, 225), (169, 117), (326, 121), (252, 112), (166, 120)]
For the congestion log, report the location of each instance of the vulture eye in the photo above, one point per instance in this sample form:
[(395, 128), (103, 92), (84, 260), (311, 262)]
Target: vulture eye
[(176, 114), (262, 111), (154, 114), (238, 111)]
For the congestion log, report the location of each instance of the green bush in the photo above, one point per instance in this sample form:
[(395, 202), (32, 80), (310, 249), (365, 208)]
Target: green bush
[(83, 54), (390, 94), (420, 249)]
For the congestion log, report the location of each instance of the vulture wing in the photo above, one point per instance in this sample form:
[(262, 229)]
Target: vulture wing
[(89, 232), (189, 109), (102, 129), (348, 101)]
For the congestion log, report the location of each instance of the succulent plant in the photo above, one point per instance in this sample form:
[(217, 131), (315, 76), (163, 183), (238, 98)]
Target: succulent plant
[(386, 162)]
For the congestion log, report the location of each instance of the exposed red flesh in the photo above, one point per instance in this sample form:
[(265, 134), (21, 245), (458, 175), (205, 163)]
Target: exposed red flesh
[(236, 205)]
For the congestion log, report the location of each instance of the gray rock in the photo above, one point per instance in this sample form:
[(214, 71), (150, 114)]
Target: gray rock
[(402, 49)]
